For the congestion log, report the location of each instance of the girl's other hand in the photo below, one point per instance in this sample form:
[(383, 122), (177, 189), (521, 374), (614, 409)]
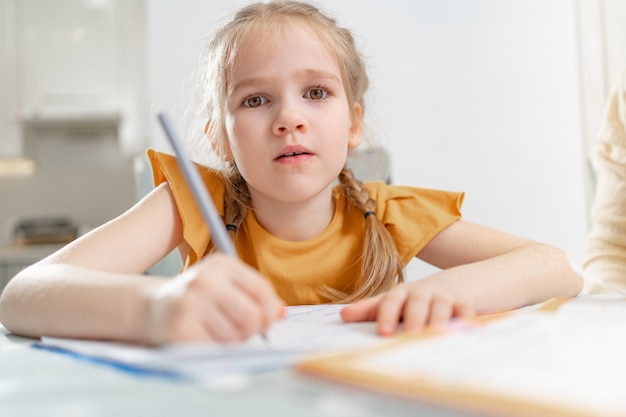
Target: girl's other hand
[(219, 299), (416, 304)]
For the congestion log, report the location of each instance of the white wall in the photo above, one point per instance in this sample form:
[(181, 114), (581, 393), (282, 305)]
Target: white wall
[(480, 96), (603, 56)]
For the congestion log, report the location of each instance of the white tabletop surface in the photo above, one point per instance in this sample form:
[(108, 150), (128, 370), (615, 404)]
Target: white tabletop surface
[(39, 383)]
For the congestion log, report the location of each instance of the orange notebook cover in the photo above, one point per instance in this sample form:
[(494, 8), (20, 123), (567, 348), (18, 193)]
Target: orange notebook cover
[(566, 359)]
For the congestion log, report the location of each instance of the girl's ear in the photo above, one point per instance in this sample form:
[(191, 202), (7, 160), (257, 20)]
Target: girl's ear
[(222, 149), (356, 127)]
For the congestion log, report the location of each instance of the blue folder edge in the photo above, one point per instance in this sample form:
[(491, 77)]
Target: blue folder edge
[(133, 370)]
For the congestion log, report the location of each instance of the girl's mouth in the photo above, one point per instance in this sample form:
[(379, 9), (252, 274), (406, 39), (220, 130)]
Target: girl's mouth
[(286, 155)]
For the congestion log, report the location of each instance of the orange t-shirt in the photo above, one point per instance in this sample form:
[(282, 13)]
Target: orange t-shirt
[(298, 270)]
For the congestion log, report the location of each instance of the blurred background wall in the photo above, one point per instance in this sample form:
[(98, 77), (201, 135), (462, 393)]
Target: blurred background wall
[(498, 99)]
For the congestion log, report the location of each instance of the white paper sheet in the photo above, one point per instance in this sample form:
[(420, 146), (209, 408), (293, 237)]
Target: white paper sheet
[(304, 330)]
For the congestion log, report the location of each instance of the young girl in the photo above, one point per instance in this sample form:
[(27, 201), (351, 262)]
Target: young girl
[(285, 105)]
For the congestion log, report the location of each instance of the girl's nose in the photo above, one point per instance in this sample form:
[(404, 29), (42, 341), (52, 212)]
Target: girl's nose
[(289, 119)]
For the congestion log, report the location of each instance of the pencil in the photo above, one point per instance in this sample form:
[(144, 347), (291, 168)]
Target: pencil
[(200, 194)]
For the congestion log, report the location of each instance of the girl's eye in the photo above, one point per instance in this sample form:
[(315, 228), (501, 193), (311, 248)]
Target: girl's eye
[(255, 101), (316, 94)]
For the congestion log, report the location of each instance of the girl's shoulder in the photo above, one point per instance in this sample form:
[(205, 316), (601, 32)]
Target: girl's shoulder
[(165, 169), (417, 198), (414, 215)]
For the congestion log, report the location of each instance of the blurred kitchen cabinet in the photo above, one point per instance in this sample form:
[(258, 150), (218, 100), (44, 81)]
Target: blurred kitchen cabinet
[(68, 54), (76, 61)]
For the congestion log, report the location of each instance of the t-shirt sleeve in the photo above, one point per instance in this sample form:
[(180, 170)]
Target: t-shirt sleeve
[(195, 231), (414, 216)]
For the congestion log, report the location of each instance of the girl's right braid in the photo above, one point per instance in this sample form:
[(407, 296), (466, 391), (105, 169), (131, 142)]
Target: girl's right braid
[(236, 201)]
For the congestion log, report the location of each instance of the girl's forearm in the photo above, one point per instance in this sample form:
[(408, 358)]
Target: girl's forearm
[(66, 301), (524, 276)]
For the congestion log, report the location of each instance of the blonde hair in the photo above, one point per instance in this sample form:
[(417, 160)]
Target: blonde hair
[(381, 265)]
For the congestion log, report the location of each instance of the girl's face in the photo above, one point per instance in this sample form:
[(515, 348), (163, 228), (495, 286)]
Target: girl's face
[(288, 120)]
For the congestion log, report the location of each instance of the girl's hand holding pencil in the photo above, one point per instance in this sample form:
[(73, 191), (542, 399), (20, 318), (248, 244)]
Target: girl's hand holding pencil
[(219, 298)]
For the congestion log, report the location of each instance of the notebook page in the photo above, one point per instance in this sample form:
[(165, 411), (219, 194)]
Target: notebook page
[(575, 357), (305, 329)]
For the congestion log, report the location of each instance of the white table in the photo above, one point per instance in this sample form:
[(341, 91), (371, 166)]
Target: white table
[(40, 383)]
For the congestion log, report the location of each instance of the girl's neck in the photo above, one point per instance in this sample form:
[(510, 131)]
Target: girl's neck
[(295, 221)]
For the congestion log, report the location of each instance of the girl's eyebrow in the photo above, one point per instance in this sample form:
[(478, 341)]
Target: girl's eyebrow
[(304, 74)]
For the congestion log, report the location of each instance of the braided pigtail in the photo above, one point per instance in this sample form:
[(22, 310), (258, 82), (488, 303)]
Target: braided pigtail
[(237, 201), (381, 264)]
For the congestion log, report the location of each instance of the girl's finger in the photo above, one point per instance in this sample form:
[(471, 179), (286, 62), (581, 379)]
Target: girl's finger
[(362, 310), (441, 310), (259, 290), (462, 309), (416, 312), (390, 311), (242, 310), (246, 281), (219, 325)]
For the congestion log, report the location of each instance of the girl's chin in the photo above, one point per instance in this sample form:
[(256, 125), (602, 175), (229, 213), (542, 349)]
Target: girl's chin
[(294, 192)]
